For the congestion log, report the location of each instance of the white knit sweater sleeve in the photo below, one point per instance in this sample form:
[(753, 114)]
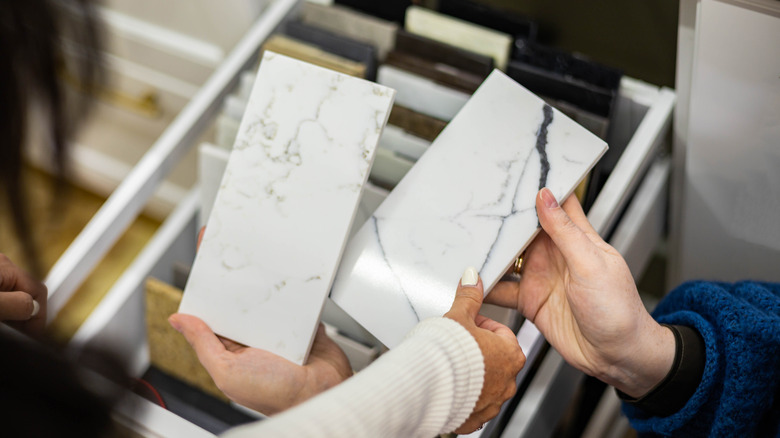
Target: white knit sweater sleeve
[(426, 386)]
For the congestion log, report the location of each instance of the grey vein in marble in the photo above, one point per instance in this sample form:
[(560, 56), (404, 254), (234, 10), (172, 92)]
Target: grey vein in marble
[(285, 205), (469, 201)]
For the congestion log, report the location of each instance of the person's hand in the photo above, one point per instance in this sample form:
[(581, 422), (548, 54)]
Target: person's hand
[(580, 294), (502, 355), (22, 299), (259, 379)]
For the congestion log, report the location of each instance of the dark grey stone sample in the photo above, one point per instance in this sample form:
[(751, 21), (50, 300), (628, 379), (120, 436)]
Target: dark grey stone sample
[(335, 44)]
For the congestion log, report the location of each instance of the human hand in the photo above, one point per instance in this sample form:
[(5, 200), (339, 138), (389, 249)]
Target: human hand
[(259, 379), (580, 294), (22, 299), (502, 355)]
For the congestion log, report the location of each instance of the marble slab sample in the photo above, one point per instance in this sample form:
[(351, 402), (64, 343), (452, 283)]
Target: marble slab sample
[(441, 73), (314, 55), (491, 17), (463, 204), (422, 94), (460, 33), (285, 205), (339, 45), (347, 22), (415, 123), (437, 51)]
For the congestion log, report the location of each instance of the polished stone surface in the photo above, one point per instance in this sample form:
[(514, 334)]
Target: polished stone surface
[(314, 55), (456, 32), (350, 23), (338, 45), (441, 73), (285, 205), (469, 201), (415, 123), (422, 94), (436, 51)]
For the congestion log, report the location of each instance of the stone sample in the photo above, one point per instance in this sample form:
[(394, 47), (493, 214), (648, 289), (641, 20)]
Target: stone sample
[(469, 201), (347, 22), (285, 205), (460, 33)]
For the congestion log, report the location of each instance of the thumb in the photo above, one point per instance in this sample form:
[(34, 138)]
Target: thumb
[(468, 297), (567, 236), (205, 343), (17, 306)]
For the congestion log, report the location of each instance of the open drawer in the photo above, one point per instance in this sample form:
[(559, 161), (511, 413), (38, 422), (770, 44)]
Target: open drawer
[(631, 203)]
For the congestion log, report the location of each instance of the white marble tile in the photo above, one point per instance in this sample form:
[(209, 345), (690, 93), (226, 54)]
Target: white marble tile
[(469, 36), (469, 201), (422, 94), (285, 205)]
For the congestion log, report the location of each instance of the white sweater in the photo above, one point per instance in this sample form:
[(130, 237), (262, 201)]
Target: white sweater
[(426, 386)]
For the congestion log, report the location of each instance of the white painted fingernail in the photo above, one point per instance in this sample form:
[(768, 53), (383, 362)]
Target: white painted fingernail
[(470, 277), (36, 308)]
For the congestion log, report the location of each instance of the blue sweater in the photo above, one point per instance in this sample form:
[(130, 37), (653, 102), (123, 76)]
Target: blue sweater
[(740, 388)]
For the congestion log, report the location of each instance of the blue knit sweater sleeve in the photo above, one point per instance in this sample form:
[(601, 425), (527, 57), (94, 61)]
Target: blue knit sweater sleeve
[(740, 387)]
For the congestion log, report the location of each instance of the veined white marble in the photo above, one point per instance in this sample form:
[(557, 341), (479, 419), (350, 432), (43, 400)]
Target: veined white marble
[(285, 205), (469, 36), (422, 94), (469, 201)]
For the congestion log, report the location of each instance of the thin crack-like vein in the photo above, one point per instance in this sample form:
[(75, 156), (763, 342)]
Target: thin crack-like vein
[(512, 212), (375, 221)]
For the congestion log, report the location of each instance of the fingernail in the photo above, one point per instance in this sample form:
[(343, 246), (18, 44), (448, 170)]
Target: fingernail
[(174, 323), (36, 308), (470, 277), (548, 198)]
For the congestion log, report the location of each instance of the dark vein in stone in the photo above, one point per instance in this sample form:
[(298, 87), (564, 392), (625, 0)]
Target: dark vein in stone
[(375, 221), (541, 145), (511, 213)]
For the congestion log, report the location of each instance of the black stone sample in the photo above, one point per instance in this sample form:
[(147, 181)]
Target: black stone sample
[(392, 10), (503, 21)]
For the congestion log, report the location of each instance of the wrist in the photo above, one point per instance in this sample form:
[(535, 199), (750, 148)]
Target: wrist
[(646, 365)]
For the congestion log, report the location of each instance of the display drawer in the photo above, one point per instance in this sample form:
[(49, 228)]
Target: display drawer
[(628, 209)]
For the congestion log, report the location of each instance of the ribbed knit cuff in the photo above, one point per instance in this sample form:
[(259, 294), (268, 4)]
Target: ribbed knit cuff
[(674, 391), (466, 361)]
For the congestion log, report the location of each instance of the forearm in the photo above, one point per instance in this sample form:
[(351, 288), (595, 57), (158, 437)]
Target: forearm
[(427, 385)]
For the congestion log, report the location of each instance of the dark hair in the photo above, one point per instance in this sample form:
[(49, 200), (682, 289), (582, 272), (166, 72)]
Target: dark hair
[(42, 42), (43, 395)]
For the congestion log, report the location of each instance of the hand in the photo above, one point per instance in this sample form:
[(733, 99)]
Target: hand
[(502, 355), (580, 294), (22, 299), (261, 380)]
